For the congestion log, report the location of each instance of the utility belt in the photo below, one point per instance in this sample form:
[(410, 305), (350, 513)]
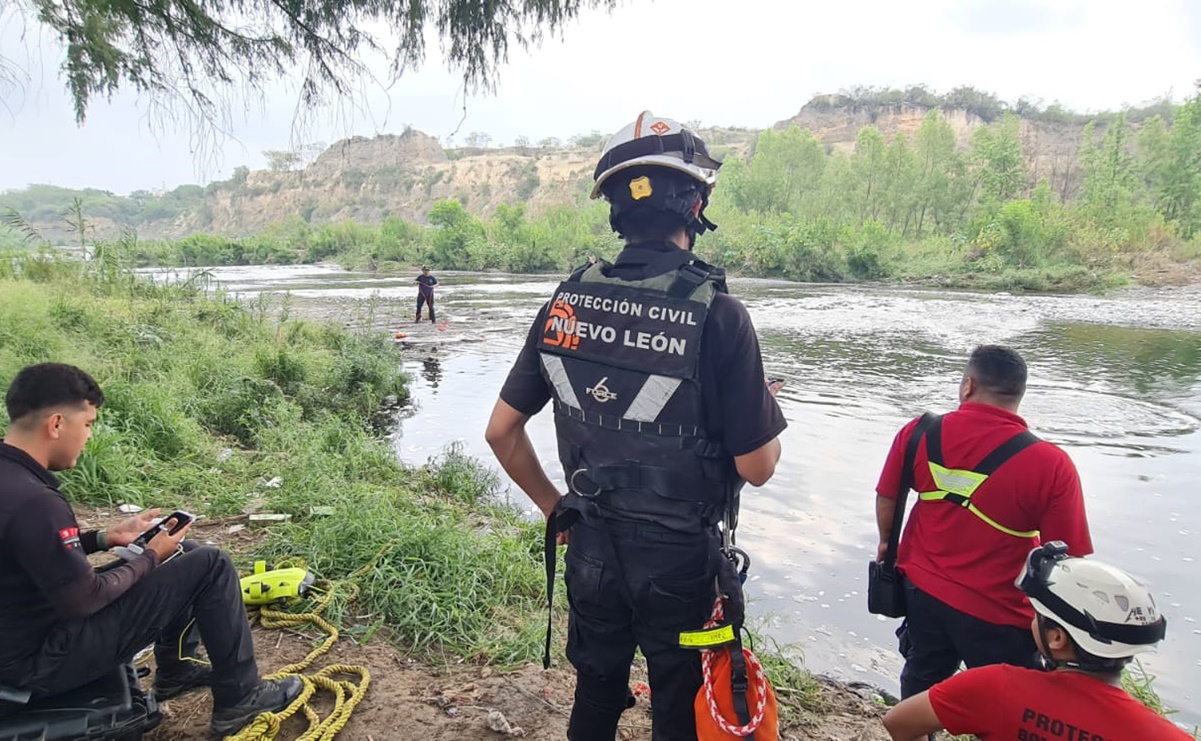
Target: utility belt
[(573, 508), (734, 680), (646, 493), (708, 483)]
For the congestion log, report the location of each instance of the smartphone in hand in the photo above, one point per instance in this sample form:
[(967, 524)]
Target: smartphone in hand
[(181, 521)]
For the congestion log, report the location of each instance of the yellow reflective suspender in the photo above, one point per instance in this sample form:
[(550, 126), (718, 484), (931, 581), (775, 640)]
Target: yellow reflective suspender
[(956, 485)]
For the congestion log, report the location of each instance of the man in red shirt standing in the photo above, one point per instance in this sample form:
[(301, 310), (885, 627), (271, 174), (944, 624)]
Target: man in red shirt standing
[(989, 490), (1091, 620)]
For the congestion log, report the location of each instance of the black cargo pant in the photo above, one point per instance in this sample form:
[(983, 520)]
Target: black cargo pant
[(669, 575), (200, 587), (422, 299), (935, 637)]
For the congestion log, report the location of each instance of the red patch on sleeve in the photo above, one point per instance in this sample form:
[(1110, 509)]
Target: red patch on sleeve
[(70, 536)]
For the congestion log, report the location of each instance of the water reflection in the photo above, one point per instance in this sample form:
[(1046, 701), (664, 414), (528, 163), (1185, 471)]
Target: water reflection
[(431, 371), (1145, 363)]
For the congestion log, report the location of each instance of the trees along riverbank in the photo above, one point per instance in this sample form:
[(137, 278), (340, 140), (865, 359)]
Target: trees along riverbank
[(902, 208)]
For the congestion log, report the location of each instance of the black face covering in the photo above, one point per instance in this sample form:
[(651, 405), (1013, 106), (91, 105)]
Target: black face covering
[(657, 194)]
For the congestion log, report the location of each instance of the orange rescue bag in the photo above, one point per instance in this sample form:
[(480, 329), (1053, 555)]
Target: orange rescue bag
[(714, 705)]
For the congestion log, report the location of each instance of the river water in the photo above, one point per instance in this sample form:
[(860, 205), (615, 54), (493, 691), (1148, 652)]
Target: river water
[(1116, 381)]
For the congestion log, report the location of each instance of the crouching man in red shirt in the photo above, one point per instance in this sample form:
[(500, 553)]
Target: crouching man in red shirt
[(1091, 618), (988, 490)]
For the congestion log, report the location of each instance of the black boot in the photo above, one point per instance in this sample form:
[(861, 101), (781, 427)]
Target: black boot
[(172, 681), (272, 695)]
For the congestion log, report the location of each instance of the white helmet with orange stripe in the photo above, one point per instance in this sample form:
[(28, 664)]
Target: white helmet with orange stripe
[(641, 167), (652, 140)]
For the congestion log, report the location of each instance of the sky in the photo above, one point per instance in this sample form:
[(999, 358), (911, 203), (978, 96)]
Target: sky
[(746, 63)]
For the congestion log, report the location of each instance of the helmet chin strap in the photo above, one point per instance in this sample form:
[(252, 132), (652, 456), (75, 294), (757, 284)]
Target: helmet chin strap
[(1082, 665), (1043, 650), (699, 223)]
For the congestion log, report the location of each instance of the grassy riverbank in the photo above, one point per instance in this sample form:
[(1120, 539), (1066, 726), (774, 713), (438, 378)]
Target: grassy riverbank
[(208, 400), (1015, 249), (215, 406)]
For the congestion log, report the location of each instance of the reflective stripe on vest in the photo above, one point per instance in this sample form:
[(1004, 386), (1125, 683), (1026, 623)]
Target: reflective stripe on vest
[(957, 485), (621, 359)]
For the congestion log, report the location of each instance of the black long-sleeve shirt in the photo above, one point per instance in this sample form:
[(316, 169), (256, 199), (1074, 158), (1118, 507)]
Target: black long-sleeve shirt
[(45, 576)]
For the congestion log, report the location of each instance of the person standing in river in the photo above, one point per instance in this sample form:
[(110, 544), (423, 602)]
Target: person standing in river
[(662, 414), (989, 490), (425, 292)]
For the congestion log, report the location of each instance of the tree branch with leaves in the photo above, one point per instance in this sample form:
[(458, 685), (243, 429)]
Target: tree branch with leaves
[(195, 52)]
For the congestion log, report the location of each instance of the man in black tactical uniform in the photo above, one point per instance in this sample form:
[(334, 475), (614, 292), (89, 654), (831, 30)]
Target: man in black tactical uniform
[(65, 624), (662, 414)]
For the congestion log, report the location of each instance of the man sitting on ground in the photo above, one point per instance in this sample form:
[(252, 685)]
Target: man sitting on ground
[(1090, 620), (66, 625)]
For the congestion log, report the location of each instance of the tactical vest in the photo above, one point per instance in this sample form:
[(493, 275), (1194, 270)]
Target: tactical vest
[(957, 485), (621, 358)]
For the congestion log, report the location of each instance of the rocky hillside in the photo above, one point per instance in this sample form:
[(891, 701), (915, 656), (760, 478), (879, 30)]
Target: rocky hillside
[(368, 179), (1051, 146)]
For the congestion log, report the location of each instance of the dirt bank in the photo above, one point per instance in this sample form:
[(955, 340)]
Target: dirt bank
[(410, 699)]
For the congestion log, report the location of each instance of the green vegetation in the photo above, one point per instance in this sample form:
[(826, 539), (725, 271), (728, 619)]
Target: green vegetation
[(798, 692), (978, 102), (10, 239), (49, 203), (919, 207), (189, 376), (1140, 685), (455, 239), (196, 55)]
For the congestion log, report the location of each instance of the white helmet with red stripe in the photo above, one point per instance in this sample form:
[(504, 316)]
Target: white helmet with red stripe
[(654, 141)]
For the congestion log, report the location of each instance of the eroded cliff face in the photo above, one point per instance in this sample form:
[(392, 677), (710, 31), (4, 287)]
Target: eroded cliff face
[(370, 178), (1051, 148), (387, 150)]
